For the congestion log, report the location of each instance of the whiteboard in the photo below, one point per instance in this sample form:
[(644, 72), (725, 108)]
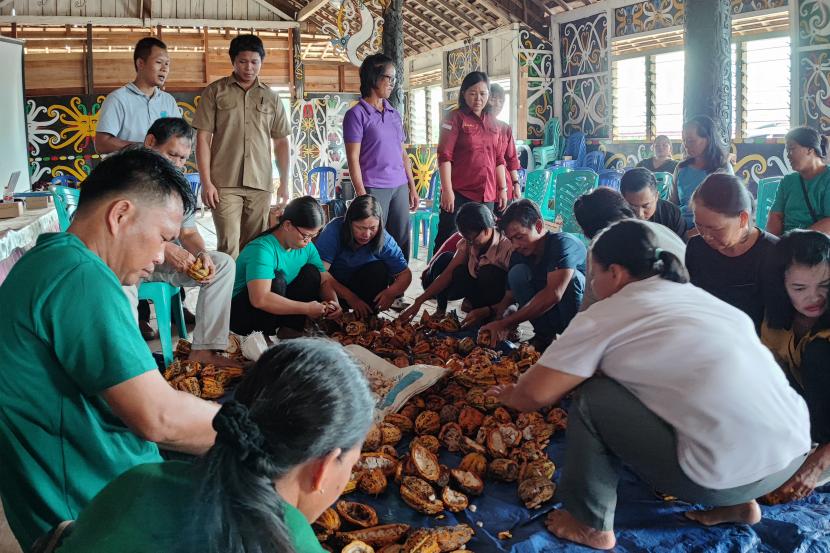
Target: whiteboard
[(14, 143)]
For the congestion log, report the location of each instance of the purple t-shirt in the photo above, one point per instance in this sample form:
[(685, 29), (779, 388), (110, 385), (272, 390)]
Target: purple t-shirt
[(380, 135)]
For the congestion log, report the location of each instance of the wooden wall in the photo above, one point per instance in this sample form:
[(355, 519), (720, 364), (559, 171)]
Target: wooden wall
[(55, 60)]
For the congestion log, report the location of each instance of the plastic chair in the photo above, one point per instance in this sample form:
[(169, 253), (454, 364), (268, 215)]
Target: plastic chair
[(575, 147), (434, 216), (610, 178), (419, 219), (767, 190), (553, 132), (569, 187), (528, 152), (665, 183), (327, 178), (595, 161), (544, 155), (66, 201), (64, 180), (196, 187), (536, 185), (164, 297)]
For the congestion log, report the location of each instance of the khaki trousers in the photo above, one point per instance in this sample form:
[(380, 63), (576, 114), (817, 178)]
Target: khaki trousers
[(241, 215)]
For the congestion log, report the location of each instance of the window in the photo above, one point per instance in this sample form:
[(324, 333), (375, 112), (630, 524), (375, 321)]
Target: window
[(766, 109), (435, 96), (629, 99), (418, 117), (668, 94)]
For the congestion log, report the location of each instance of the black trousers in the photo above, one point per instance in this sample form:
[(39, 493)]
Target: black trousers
[(245, 318), (486, 289), (369, 281), (446, 220), (815, 378), (144, 307)]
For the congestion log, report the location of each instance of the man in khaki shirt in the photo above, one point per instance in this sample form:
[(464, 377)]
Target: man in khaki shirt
[(237, 118)]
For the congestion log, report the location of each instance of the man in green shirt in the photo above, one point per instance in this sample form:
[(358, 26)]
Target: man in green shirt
[(81, 400)]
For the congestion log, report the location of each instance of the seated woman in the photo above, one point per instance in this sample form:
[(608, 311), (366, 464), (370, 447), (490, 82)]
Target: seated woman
[(729, 259), (803, 198), (639, 188), (284, 451), (797, 330), (367, 267), (280, 279), (662, 160), (475, 271), (719, 425)]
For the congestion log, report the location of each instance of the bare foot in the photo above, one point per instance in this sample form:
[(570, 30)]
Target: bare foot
[(563, 525), (745, 513), (209, 357)]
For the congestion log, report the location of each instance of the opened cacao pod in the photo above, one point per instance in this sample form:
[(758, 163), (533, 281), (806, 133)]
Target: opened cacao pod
[(543, 468), (390, 434), (422, 541), (358, 546), (372, 482), (511, 434), (470, 419), (467, 482), (451, 435), (444, 479), (558, 417), (424, 462), (420, 495), (357, 514), (495, 443), (506, 470), (449, 413), (428, 422), (376, 536), (381, 461), (428, 441), (535, 491), (454, 501), (452, 537), (374, 439), (403, 422), (326, 524), (475, 463)]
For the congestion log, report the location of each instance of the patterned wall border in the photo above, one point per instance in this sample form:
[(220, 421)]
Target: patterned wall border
[(585, 106), (461, 61), (584, 45), (814, 22), (814, 76)]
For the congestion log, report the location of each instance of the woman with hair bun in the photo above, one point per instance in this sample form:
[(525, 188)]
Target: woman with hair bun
[(803, 198), (729, 257), (673, 383), (284, 452)]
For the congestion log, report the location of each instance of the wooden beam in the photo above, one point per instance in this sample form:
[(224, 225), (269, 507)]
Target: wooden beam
[(543, 6), (564, 5), (458, 13), (138, 22), (90, 81), (438, 15), (206, 46), (310, 9), (273, 9), (430, 23)]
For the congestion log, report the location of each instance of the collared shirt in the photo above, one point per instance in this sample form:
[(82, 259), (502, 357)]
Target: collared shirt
[(471, 144), (345, 261), (498, 254), (128, 114), (511, 159), (381, 137), (243, 122)]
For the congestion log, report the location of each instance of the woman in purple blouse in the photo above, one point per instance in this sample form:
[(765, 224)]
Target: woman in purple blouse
[(374, 137)]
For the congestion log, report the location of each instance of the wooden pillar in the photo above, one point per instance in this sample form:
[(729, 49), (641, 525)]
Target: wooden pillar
[(90, 81), (393, 46), (707, 87), (298, 72), (206, 47)]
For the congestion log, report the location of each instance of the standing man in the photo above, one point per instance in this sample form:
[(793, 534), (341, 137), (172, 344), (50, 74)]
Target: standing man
[(81, 398), (237, 119), (127, 114)]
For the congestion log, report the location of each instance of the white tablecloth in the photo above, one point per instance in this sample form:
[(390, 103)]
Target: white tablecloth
[(19, 234)]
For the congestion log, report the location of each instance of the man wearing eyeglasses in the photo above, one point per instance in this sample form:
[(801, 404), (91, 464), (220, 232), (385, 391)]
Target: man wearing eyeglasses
[(374, 137)]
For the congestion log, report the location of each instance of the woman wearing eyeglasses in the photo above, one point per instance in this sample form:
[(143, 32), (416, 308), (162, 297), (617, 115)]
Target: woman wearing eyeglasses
[(280, 279), (374, 137)]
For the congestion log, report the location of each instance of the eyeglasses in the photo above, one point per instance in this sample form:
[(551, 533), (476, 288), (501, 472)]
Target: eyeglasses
[(391, 78), (306, 236)]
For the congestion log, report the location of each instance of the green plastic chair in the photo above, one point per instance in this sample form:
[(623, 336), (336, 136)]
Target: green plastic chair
[(569, 187), (164, 296), (420, 217), (665, 182), (543, 155), (536, 185), (767, 190), (434, 216)]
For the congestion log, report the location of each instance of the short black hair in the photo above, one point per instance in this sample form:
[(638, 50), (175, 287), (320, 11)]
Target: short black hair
[(246, 43), (144, 47), (802, 247), (371, 71), (724, 194), (809, 138), (715, 155), (471, 79), (138, 172), (473, 218), (165, 128), (599, 208), (362, 208), (524, 212), (637, 179)]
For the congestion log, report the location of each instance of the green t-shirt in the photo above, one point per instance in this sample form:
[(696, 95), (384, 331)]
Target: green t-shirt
[(148, 509), (68, 334), (790, 200), (263, 256)]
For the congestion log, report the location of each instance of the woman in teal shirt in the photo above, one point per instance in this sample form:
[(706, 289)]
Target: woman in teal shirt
[(280, 279), (706, 155), (284, 452), (803, 198)]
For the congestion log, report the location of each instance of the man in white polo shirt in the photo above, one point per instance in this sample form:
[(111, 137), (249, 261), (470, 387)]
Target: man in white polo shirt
[(129, 112)]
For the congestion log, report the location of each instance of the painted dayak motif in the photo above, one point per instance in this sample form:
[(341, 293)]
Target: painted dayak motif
[(661, 14), (814, 72), (584, 46), (357, 32), (585, 106), (461, 61), (813, 22), (536, 56)]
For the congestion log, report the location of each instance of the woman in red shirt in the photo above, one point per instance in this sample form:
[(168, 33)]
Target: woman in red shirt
[(470, 158)]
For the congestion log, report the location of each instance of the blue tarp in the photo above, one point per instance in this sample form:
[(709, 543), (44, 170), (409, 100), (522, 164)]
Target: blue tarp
[(644, 523)]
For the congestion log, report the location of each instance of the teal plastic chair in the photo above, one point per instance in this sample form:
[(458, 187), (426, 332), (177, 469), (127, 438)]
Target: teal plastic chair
[(569, 187), (66, 202), (434, 216), (547, 205), (164, 296), (420, 217), (536, 185), (767, 190), (665, 182), (543, 155)]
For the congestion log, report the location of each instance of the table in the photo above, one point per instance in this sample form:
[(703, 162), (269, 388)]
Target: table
[(19, 234)]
